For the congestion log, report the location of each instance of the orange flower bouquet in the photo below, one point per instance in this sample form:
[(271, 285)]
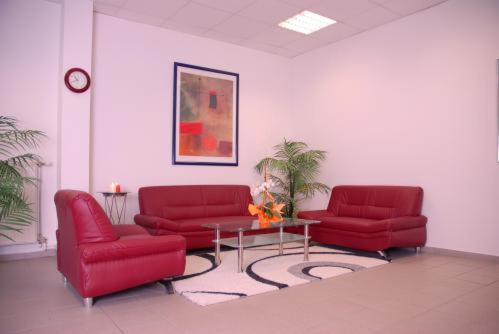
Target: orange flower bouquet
[(268, 211)]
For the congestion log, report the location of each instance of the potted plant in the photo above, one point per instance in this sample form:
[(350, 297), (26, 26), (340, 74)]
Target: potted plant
[(15, 211), (293, 169)]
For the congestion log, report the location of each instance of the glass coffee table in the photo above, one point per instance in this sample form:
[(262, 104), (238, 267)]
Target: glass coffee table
[(244, 241)]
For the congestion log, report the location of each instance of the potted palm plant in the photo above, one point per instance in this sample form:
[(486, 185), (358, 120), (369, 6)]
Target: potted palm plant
[(293, 169), (15, 211)]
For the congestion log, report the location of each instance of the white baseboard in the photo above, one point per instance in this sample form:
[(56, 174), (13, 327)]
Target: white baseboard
[(29, 251), (468, 255)]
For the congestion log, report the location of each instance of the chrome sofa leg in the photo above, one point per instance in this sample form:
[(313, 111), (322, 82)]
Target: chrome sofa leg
[(384, 255), (88, 302), (167, 283), (64, 280), (418, 250)]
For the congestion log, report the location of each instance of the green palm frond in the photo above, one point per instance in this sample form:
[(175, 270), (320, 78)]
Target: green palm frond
[(278, 182), (15, 211), (310, 189), (15, 140), (294, 169), (12, 139), (272, 164), (288, 150), (22, 161)]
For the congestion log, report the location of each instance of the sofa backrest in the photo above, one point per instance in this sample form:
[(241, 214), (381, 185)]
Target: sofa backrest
[(194, 201), (376, 202), (81, 219)]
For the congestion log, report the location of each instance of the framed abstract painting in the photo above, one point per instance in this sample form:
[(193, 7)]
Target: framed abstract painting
[(205, 116)]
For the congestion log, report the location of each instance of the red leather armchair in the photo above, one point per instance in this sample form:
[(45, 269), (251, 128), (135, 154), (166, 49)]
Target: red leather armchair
[(98, 258), (371, 218)]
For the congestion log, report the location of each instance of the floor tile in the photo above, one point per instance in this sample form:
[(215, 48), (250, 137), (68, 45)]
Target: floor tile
[(426, 293), (478, 277)]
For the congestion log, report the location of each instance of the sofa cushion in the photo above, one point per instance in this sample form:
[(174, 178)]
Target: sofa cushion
[(375, 202), (314, 214), (405, 223), (362, 225), (214, 195), (194, 201), (183, 212), (123, 230), (189, 212), (365, 211), (152, 200), (378, 212), (350, 210), (223, 210)]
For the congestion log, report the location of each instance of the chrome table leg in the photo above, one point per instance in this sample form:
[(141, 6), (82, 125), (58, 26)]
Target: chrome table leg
[(305, 243), (217, 246), (281, 250), (240, 260)]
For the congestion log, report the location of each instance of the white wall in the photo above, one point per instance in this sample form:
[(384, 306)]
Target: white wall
[(132, 106), (413, 102), (29, 67), (74, 109)]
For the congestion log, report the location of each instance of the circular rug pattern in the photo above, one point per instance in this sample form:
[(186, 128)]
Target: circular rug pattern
[(205, 283)]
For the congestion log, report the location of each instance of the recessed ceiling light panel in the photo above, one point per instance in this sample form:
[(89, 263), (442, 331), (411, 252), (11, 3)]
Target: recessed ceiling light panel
[(306, 22)]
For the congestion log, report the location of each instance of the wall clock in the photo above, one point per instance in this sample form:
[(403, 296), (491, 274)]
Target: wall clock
[(77, 80)]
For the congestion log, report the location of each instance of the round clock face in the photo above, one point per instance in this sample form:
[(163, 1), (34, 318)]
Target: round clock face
[(77, 80)]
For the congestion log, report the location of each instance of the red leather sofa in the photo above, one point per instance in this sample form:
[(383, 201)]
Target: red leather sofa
[(371, 218), (98, 258), (181, 210)]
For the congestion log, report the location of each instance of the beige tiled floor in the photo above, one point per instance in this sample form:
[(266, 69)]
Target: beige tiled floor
[(424, 293)]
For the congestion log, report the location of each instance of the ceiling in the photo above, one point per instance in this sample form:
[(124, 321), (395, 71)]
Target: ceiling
[(253, 23)]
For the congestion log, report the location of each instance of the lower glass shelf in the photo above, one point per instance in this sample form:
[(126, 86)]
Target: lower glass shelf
[(262, 239)]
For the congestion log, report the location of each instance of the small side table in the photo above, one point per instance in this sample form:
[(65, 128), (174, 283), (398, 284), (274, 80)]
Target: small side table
[(115, 206)]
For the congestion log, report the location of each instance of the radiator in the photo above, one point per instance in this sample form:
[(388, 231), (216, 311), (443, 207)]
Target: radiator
[(31, 234)]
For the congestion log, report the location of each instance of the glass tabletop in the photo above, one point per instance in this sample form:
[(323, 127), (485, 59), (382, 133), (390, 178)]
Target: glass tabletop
[(113, 193), (256, 225)]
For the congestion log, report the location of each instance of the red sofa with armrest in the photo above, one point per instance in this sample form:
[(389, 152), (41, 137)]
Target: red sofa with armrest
[(98, 258), (181, 210), (371, 218)]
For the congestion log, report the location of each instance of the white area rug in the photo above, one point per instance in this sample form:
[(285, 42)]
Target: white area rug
[(205, 284)]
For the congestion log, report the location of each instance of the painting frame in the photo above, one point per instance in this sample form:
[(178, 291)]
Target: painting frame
[(179, 86)]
